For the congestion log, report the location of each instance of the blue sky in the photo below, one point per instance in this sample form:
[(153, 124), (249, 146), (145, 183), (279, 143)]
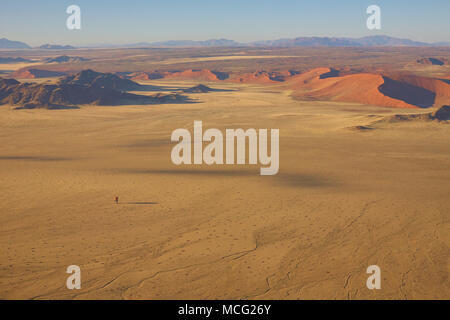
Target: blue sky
[(130, 21)]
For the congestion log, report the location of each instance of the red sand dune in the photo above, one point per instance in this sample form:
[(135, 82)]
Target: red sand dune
[(307, 80), (255, 77), (440, 87), (366, 88), (344, 85), (263, 77), (209, 75), (191, 74), (145, 75), (138, 76), (31, 73), (433, 61)]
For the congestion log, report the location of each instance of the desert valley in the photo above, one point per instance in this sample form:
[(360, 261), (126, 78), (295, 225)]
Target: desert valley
[(364, 173)]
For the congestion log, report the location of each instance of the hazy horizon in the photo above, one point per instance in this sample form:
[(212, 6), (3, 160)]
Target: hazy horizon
[(106, 22)]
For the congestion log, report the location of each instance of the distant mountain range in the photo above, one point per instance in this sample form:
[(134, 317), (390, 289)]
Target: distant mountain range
[(65, 59), (55, 47), (190, 43), (13, 60), (8, 44), (369, 41), (442, 44)]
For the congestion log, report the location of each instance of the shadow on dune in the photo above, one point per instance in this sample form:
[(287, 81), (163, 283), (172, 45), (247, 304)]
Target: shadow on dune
[(296, 180), (221, 75), (417, 96), (153, 88), (49, 107), (204, 89), (442, 114), (224, 90), (331, 74), (158, 99)]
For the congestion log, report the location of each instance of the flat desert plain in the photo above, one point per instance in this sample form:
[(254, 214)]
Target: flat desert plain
[(344, 199)]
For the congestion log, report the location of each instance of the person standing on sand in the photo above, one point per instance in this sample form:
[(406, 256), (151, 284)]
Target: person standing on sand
[(117, 200)]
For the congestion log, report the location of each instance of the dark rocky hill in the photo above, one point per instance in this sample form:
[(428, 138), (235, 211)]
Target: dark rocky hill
[(86, 87), (198, 89), (65, 59), (102, 80)]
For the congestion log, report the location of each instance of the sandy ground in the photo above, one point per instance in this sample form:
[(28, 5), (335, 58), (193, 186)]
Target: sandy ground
[(203, 59), (220, 58), (343, 200), (8, 67)]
